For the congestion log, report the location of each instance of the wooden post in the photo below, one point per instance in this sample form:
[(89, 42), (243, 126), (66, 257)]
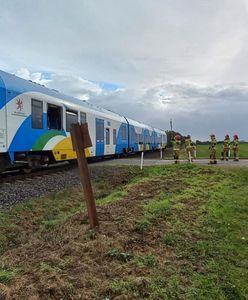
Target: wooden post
[(81, 140), (161, 152)]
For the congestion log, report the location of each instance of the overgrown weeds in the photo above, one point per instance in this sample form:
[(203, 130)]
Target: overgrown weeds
[(176, 232)]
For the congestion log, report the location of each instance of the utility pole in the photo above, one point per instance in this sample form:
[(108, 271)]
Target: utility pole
[(171, 125)]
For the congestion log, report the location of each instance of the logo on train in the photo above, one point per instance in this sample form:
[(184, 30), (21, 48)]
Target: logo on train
[(19, 104)]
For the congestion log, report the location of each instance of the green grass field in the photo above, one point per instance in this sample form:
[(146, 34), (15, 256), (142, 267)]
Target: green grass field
[(203, 152), (168, 232)]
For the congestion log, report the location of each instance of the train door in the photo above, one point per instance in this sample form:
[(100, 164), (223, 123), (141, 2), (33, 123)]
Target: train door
[(146, 140), (3, 122), (99, 137)]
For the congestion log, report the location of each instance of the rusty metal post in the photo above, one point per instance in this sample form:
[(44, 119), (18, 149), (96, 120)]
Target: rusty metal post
[(81, 140)]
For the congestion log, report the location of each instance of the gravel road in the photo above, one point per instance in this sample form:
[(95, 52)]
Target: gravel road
[(152, 162)]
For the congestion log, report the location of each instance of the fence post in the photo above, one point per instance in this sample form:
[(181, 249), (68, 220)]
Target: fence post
[(142, 160), (81, 140)]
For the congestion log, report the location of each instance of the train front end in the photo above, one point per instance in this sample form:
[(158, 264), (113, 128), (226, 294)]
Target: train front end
[(3, 127)]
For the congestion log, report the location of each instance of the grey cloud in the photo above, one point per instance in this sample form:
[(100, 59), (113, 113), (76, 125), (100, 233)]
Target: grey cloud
[(194, 109), (185, 60), (128, 42)]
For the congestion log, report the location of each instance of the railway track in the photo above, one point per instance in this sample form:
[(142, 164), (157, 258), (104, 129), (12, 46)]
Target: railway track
[(16, 175), (16, 187)]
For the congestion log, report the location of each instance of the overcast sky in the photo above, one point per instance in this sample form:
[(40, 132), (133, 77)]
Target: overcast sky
[(151, 60)]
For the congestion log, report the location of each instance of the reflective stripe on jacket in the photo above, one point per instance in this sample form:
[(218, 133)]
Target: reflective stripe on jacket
[(176, 145)]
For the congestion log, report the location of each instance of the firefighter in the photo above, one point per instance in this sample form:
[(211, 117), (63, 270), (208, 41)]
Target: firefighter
[(190, 148), (235, 147), (176, 147), (212, 149), (226, 148)]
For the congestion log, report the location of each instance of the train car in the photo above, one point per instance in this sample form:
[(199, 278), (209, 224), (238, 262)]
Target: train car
[(160, 138), (35, 126), (136, 135), (148, 138)]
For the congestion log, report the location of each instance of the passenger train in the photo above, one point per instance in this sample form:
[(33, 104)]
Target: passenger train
[(35, 127)]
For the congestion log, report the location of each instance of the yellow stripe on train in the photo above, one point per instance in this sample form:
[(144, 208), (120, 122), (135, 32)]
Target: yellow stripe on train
[(63, 150)]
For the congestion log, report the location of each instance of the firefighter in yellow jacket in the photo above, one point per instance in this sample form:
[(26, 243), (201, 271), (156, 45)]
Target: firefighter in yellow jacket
[(226, 148), (235, 147), (176, 147), (212, 149), (190, 148)]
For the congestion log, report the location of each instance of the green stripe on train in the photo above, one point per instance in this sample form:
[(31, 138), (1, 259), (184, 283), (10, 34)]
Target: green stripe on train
[(42, 141)]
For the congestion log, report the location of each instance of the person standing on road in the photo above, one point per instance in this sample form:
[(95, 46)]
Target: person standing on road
[(176, 147), (235, 147), (212, 149), (190, 148), (226, 148)]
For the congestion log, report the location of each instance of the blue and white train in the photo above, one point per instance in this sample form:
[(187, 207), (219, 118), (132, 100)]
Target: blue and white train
[(35, 127)]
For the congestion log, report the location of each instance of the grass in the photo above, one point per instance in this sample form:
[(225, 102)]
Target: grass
[(52, 211), (203, 152), (6, 275), (221, 232), (177, 232)]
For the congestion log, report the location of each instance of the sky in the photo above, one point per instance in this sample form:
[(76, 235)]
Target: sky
[(150, 60)]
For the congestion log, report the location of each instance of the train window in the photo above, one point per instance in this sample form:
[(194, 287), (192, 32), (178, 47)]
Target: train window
[(54, 117), (133, 134), (71, 118), (140, 138), (114, 136), (83, 117), (107, 136), (37, 114), (145, 139), (124, 133)]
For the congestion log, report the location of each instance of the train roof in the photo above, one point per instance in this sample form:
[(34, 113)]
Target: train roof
[(141, 125), (19, 85), (160, 131)]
